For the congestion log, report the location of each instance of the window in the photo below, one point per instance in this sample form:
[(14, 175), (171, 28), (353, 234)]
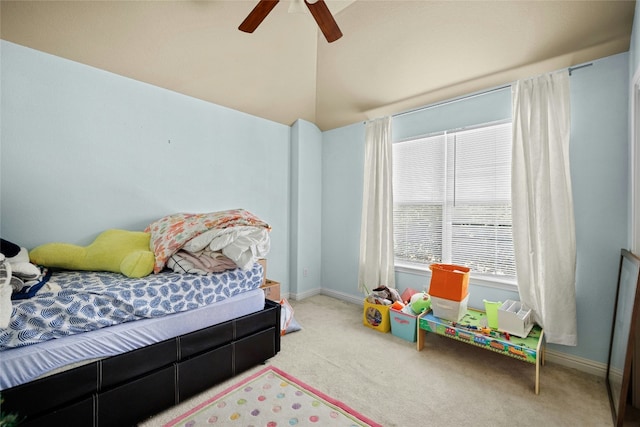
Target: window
[(452, 200)]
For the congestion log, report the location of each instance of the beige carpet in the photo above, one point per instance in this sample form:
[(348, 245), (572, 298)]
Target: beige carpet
[(448, 383)]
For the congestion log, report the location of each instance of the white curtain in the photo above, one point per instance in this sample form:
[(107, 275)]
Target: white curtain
[(376, 232), (542, 203)]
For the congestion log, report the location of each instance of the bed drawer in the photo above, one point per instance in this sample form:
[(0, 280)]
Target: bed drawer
[(45, 394), (136, 363), (201, 372), (259, 321), (77, 415), (130, 403), (206, 339), (254, 350)]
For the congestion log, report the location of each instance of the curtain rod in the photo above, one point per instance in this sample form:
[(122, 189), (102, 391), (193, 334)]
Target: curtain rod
[(473, 95), (577, 67)]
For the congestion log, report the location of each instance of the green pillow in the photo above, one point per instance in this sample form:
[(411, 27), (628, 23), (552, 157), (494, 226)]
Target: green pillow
[(118, 251)]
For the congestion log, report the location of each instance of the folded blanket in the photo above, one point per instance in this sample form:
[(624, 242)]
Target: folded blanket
[(202, 262), (170, 233), (241, 244)]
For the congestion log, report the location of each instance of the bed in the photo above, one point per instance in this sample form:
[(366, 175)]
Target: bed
[(123, 349)]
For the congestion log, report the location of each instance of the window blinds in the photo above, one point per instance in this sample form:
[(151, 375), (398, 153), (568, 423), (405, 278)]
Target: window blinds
[(452, 200), (418, 199)]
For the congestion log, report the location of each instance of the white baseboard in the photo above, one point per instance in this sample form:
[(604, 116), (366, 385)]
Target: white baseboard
[(342, 296), (592, 367), (328, 292), (303, 295)]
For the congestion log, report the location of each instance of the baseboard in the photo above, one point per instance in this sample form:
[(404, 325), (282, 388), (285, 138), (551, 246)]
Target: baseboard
[(302, 295), (342, 296), (328, 292), (581, 364)]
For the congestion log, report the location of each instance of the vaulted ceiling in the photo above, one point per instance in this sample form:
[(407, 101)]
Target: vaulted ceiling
[(394, 55)]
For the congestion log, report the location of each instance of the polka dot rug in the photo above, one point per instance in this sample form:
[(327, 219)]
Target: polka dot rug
[(271, 398)]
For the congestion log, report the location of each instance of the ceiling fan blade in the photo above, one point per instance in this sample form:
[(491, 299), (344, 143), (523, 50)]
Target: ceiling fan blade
[(257, 15), (323, 17)]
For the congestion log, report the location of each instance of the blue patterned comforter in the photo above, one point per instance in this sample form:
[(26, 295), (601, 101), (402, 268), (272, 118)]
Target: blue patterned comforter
[(93, 300)]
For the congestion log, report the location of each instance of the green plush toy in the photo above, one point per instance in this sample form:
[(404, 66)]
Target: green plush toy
[(119, 251), (420, 302)]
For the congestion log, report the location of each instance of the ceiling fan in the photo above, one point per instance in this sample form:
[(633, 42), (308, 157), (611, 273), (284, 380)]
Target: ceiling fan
[(318, 9)]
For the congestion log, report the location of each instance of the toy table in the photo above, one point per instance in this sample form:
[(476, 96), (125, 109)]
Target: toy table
[(471, 329)]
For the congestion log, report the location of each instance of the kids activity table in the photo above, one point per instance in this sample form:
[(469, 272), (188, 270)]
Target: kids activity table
[(471, 329)]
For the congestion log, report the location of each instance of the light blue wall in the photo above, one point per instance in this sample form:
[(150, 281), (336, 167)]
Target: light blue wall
[(342, 179), (599, 172), (83, 150), (489, 107), (634, 146), (634, 49), (306, 209)]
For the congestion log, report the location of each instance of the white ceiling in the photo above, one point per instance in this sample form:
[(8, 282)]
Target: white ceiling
[(394, 55)]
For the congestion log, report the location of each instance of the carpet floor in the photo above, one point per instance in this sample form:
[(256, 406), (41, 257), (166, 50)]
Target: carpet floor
[(448, 383)]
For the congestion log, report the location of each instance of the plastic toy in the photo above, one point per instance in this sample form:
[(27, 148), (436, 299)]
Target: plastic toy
[(397, 305), (491, 308)]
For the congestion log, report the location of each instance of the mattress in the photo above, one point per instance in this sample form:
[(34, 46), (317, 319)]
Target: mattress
[(88, 300), (23, 364)]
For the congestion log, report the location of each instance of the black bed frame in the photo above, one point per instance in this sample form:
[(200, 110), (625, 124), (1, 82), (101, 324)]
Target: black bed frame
[(125, 389)]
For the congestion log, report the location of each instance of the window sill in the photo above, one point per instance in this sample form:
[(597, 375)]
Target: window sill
[(474, 279)]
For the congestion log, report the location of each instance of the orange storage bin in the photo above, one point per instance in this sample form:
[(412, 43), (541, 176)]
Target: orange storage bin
[(449, 281)]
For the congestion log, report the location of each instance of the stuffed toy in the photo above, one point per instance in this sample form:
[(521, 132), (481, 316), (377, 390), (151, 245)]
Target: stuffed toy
[(420, 302), (118, 251), (383, 295)]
